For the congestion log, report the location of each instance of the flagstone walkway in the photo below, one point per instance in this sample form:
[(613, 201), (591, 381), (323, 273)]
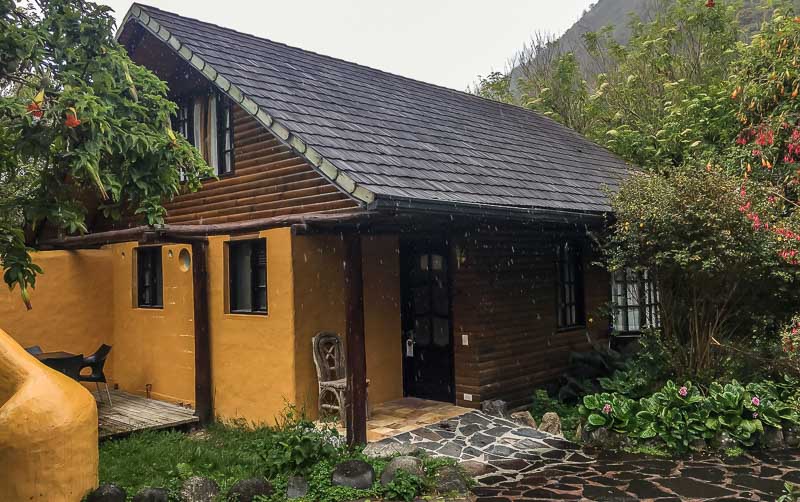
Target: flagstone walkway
[(515, 463)]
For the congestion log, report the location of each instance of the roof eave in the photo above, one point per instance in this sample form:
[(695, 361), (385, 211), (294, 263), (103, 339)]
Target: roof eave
[(515, 213)]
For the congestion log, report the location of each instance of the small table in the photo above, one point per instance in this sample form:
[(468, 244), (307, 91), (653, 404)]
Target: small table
[(65, 362), (54, 355)]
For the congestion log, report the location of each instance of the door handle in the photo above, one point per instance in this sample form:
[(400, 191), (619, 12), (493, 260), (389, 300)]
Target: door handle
[(410, 342)]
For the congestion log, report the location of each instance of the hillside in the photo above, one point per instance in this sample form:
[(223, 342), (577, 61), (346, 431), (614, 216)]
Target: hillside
[(618, 15)]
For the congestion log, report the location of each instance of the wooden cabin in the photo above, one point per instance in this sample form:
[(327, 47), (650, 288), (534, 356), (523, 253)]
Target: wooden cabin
[(444, 236)]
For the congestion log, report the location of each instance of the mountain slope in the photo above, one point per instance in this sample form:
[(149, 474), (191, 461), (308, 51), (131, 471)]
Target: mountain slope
[(618, 14)]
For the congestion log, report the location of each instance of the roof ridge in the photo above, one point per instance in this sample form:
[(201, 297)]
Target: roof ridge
[(395, 75)]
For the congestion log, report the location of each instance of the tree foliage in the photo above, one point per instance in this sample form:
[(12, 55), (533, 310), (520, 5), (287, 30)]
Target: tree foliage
[(495, 86), (719, 274), (79, 122)]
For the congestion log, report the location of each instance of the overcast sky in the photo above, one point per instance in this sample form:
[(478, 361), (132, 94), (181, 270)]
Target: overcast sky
[(445, 42)]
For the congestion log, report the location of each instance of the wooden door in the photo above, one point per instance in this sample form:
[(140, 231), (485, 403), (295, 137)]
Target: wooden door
[(427, 321)]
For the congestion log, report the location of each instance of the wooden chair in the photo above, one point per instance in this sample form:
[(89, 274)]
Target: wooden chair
[(331, 374)]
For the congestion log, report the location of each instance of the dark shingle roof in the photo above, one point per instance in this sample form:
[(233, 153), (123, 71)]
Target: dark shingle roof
[(404, 139)]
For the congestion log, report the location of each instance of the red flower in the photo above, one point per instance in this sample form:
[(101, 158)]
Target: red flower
[(710, 3), (35, 110), (72, 120)]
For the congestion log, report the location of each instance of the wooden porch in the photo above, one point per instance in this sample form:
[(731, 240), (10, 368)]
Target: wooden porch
[(405, 415), (131, 413)]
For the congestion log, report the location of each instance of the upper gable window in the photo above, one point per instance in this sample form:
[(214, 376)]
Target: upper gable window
[(206, 121)]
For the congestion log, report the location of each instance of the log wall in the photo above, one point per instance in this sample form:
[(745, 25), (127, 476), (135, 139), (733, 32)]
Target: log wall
[(269, 179), (504, 300)]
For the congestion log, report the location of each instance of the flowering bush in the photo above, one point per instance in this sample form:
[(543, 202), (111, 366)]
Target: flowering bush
[(613, 411), (790, 343), (720, 276), (675, 415), (680, 416)]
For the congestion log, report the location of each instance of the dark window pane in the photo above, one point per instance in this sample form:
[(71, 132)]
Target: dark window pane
[(570, 286), (149, 288), (224, 135), (422, 332), (247, 274), (422, 300), (441, 332), (441, 298)]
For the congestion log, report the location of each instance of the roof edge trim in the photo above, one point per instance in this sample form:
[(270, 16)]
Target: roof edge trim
[(318, 162)]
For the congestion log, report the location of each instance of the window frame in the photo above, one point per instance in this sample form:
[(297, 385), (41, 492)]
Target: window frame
[(646, 305), (223, 134), (257, 271), (569, 255), (149, 255)]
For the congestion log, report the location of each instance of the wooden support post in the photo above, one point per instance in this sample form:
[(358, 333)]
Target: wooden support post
[(356, 349), (202, 339)]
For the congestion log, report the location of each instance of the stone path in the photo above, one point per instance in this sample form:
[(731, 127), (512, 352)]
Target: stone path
[(516, 463)]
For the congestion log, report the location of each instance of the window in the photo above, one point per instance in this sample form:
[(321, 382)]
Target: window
[(149, 289), (247, 276), (207, 122), (634, 297), (570, 286)]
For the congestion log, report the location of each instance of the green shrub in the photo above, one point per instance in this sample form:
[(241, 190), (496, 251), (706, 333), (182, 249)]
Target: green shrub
[(404, 487), (674, 415), (612, 411), (296, 445), (678, 416), (791, 493)]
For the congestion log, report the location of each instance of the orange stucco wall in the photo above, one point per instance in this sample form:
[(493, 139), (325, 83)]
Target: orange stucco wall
[(259, 362), (85, 298), (153, 346), (253, 355), (71, 309), (319, 305)]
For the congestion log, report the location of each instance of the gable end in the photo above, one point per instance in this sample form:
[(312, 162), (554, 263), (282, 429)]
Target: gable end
[(317, 161)]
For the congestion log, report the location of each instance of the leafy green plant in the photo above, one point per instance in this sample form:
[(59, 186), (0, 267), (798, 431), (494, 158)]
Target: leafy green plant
[(674, 415), (404, 486), (678, 416), (321, 490), (791, 493), (727, 403), (296, 445), (736, 451), (612, 411)]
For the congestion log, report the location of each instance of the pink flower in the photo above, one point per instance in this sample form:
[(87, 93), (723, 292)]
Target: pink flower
[(683, 391), (755, 401), (755, 414), (607, 409)]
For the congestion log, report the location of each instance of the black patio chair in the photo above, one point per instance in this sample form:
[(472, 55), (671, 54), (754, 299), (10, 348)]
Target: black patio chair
[(96, 362), (33, 350), (70, 366)]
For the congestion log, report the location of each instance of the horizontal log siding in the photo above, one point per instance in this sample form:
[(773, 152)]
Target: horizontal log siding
[(504, 299), (269, 180)]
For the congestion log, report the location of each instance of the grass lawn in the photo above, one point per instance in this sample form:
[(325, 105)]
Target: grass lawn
[(164, 459), (228, 453)]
